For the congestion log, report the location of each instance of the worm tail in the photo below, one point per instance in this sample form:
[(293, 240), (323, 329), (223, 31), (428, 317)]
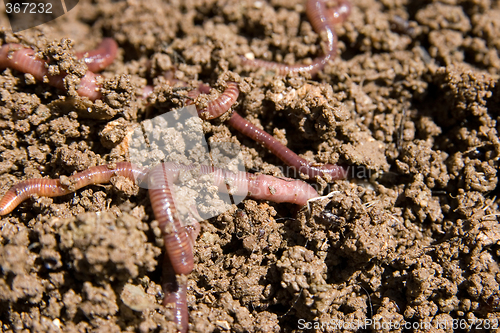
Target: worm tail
[(175, 290)]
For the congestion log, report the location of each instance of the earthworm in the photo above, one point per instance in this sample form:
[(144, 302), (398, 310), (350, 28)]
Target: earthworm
[(23, 59), (322, 19), (261, 187), (101, 57), (175, 290), (56, 187), (177, 245), (283, 153), (220, 105)]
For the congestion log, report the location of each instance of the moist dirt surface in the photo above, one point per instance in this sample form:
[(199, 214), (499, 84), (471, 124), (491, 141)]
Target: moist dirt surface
[(412, 100)]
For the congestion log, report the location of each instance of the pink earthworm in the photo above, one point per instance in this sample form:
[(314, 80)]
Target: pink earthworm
[(222, 104), (175, 291), (56, 187), (284, 153), (101, 57), (177, 245), (261, 187), (23, 59), (322, 19)]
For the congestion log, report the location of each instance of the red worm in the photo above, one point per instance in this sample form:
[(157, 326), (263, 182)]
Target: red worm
[(175, 290), (54, 187), (283, 153), (101, 57), (176, 240), (322, 19), (23, 59)]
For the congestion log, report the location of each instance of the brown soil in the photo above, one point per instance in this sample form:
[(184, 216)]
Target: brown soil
[(413, 98)]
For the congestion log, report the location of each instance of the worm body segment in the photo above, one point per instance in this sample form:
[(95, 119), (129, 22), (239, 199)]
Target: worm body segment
[(101, 57), (283, 153), (177, 244), (175, 289)]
